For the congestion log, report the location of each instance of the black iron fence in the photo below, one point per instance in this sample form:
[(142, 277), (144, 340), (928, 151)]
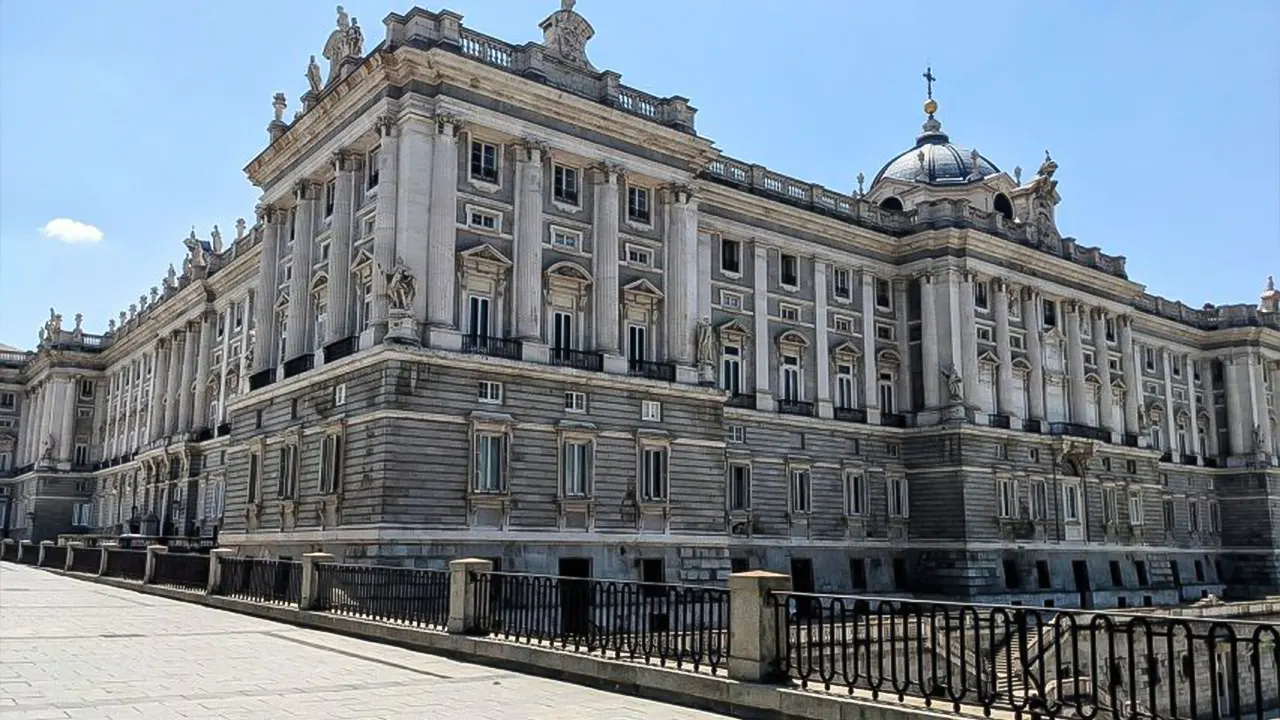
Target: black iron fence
[(28, 554), (259, 580), (1044, 662), (398, 595), (9, 551), (87, 559), (181, 570), (681, 625), (55, 556), (127, 564)]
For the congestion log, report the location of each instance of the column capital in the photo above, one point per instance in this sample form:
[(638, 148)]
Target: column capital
[(448, 124), (266, 213), (1029, 293), (677, 194), (530, 150), (926, 277), (1099, 313), (1073, 306), (607, 173), (386, 125), (866, 273), (968, 276), (305, 190), (347, 160), (1000, 285)]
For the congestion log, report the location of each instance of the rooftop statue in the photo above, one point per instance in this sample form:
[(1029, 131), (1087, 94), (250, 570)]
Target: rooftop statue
[(216, 239), (565, 35), (240, 226), (313, 75), (339, 43)]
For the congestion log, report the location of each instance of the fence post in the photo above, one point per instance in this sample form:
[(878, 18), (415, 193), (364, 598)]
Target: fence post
[(43, 544), (215, 567), (463, 600), (72, 548), (4, 548), (310, 588), (753, 624), (149, 574), (102, 560), (25, 548)]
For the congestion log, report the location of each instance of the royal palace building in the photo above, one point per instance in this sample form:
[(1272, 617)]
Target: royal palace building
[(496, 303)]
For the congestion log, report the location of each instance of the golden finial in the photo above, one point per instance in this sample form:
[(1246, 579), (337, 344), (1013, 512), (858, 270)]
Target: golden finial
[(930, 105)]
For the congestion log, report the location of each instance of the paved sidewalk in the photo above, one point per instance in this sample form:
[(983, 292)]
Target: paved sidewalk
[(75, 649)]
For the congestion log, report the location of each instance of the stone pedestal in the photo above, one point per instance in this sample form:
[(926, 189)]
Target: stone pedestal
[(444, 338), (150, 573), (615, 364), (44, 546), (765, 403), (464, 594), (402, 329), (311, 588), (215, 567), (686, 375), (535, 352), (753, 624)]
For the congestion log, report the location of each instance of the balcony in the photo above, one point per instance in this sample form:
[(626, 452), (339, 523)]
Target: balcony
[(203, 434), (853, 415), (741, 400), (1129, 440), (341, 348), (1081, 431), (223, 430), (1166, 457), (1031, 426), (1211, 462), (262, 378), (898, 420), (997, 420), (299, 365), (1187, 459), (652, 370), (491, 346), (795, 407), (577, 359)]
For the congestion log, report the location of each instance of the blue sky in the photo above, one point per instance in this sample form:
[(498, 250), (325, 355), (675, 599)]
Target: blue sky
[(137, 118)]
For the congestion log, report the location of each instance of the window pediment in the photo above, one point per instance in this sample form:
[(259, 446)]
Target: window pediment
[(988, 358), (362, 260), (644, 288), (733, 330), (846, 349), (282, 302), (484, 259), (1093, 379), (320, 282), (1021, 364), (568, 274), (888, 357), (793, 339)]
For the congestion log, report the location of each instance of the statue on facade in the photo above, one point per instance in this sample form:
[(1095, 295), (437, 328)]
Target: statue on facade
[(240, 226), (1257, 438), (355, 40), (123, 319), (79, 322), (335, 48), (111, 325), (133, 311), (215, 239), (155, 291), (55, 323), (565, 35), (46, 448), (278, 105), (955, 383), (400, 287), (171, 277), (313, 75), (705, 353)]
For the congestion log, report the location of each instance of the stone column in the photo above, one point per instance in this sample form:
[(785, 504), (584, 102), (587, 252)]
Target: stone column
[(822, 343), (1075, 361), (930, 373), (187, 377), (24, 430), (870, 398), (347, 165), (1170, 421), (301, 308), (67, 418), (1239, 402), (966, 328), (98, 427), (442, 230), (682, 266), (463, 599), (1004, 352), (149, 574), (1188, 371), (1101, 359), (1211, 405), (526, 305), (753, 623), (215, 567), (906, 395), (110, 424), (1035, 353), (208, 329), (416, 199), (140, 419), (1132, 382), (1261, 413), (173, 384), (604, 247), (760, 315), (265, 342), (49, 401), (384, 228), (704, 275)]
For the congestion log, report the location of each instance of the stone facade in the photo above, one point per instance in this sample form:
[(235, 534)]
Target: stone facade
[(497, 304)]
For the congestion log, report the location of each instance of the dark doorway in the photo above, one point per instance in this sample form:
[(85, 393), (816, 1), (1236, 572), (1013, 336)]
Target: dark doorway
[(1080, 569), (891, 203), (1002, 205), (575, 595), (802, 582)]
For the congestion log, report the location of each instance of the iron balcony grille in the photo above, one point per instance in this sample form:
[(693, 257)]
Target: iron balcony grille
[(898, 420), (741, 400), (1032, 426), (795, 407), (491, 346), (853, 415), (577, 359), (997, 420), (299, 365), (341, 348), (652, 370), (262, 378)]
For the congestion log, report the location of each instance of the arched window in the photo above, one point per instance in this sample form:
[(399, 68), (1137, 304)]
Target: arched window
[(1002, 205), (891, 203)]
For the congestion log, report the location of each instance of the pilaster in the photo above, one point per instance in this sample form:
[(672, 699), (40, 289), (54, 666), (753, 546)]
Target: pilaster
[(418, 205), (385, 218), (265, 342), (870, 398), (1132, 383), (681, 211), (347, 165), (527, 275), (208, 327), (301, 308), (1188, 371), (67, 417), (1075, 362), (1261, 413), (821, 339), (760, 315), (1035, 352), (173, 387), (968, 338), (442, 230), (906, 396), (1236, 387), (1004, 352), (929, 341), (1211, 403), (1101, 359), (185, 395), (605, 180), (1170, 437), (159, 388)]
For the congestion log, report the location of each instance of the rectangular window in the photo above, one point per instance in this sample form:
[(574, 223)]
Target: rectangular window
[(1193, 515), (1050, 312), (651, 410), (576, 468), (340, 394), (737, 434), (1140, 567), (884, 299), (1113, 364), (1170, 519), (1016, 342), (730, 256), (800, 487), (791, 386), (653, 474), (1007, 498), (1039, 500), (5, 461), (1117, 577), (789, 269), (575, 402), (730, 300), (731, 369), (483, 219), (844, 385), (636, 350), (855, 494), (887, 398), (1195, 370), (1110, 324), (980, 300), (1088, 357), (287, 481), (639, 256), (1215, 519), (562, 335), (564, 184), (366, 305), (484, 161), (1149, 358), (86, 388), (330, 193), (789, 313), (1033, 454), (1071, 503), (841, 285), (489, 463), (1108, 505), (489, 391), (739, 486), (858, 573), (638, 204), (984, 334), (82, 454), (562, 238), (844, 325), (1176, 366), (82, 514), (478, 316), (371, 169), (884, 331), (898, 497), (331, 464)]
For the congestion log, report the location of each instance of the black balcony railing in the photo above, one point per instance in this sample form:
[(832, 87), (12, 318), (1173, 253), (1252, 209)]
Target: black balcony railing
[(127, 564), (681, 625), (223, 430), (299, 365), (997, 420), (652, 370), (1166, 457), (741, 400), (262, 378), (1080, 431), (795, 407), (1129, 440), (491, 346), (187, 571), (898, 420), (396, 595), (1211, 462), (853, 415), (1188, 459), (265, 581), (1032, 426), (341, 348), (203, 434), (577, 359)]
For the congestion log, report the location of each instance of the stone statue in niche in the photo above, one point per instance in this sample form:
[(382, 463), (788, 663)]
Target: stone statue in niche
[(565, 35), (313, 75), (401, 288), (705, 353), (955, 384), (335, 48)]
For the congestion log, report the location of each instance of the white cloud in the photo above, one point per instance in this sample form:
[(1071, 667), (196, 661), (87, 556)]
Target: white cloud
[(72, 232)]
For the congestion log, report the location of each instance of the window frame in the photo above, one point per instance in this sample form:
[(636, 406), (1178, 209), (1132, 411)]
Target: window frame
[(857, 493), (739, 498), (584, 486), (639, 205), (482, 440), (485, 392), (799, 490), (899, 497), (654, 458), (487, 176), (785, 259), (332, 463), (1007, 498), (570, 401), (560, 190), (736, 269)]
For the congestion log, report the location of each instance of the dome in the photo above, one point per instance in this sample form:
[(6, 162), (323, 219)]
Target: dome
[(935, 161)]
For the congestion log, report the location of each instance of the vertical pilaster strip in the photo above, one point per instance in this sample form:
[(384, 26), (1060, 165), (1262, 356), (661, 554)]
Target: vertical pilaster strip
[(906, 397), (1132, 383), (24, 430), (604, 242), (681, 284), (208, 325), (1102, 360), (416, 199), (347, 165), (384, 223), (265, 342), (932, 379), (1211, 406), (760, 314), (66, 438), (967, 330), (1035, 351), (870, 398), (821, 338), (1236, 385), (159, 387), (1004, 352), (527, 304), (1261, 413), (185, 394), (1075, 362), (301, 309), (173, 385), (442, 229), (1189, 373), (1170, 437)]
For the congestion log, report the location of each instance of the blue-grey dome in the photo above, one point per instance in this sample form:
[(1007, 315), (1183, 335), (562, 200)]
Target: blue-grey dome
[(935, 161)]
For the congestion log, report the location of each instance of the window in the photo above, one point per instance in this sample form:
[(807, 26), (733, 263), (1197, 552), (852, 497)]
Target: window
[(1117, 577), (653, 471), (1170, 519), (1108, 505), (884, 300), (86, 388), (340, 394), (636, 343), (1033, 454), (1106, 464), (484, 161), (887, 393), (81, 454), (575, 401), (844, 385), (82, 514), (331, 464), (651, 410), (898, 497), (739, 486), (562, 238), (730, 300), (1012, 576), (984, 333), (1195, 370), (800, 490), (1215, 520), (1131, 466), (858, 573), (562, 335), (1193, 515), (1016, 342), (639, 256), (1110, 324), (1149, 358), (564, 184), (1007, 498), (478, 316), (791, 385), (840, 283), (5, 461), (884, 331), (893, 449), (1050, 312), (737, 434), (856, 494), (1113, 364), (368, 227), (489, 392), (980, 300), (1043, 577), (483, 219), (789, 313), (1176, 366), (1140, 567), (844, 325), (730, 256), (1002, 452), (371, 169), (1040, 500), (287, 481), (731, 369), (330, 190), (789, 270), (575, 468), (638, 204), (489, 462), (366, 304)]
